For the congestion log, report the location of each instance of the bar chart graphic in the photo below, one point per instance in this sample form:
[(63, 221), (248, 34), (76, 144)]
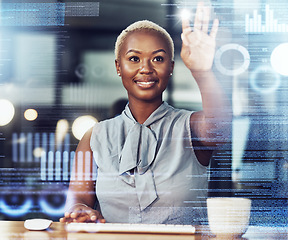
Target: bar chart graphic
[(52, 161), (264, 24)]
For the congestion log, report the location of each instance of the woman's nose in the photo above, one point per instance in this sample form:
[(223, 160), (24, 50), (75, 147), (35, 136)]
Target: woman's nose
[(146, 67)]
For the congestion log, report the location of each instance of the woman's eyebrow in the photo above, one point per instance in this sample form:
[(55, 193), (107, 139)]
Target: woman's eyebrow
[(136, 51), (159, 50), (133, 50)]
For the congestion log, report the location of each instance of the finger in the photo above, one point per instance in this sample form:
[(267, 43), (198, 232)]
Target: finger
[(93, 216), (67, 214), (184, 38), (78, 211), (97, 217), (82, 218), (198, 16), (75, 214), (214, 29), (81, 215), (101, 220), (65, 220), (186, 25), (186, 30), (205, 19)]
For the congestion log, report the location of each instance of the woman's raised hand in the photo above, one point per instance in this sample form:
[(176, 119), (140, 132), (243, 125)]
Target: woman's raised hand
[(198, 46)]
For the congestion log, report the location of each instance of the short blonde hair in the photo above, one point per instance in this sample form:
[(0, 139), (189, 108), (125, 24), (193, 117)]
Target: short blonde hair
[(144, 25)]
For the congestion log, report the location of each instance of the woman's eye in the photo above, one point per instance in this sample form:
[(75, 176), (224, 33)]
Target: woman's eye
[(158, 59), (134, 59)]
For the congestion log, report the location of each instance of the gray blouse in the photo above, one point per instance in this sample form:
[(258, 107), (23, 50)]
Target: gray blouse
[(148, 173)]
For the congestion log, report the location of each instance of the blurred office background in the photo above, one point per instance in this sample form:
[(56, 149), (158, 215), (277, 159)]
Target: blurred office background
[(57, 78)]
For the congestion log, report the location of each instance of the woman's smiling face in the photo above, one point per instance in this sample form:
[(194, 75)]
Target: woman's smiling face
[(145, 65)]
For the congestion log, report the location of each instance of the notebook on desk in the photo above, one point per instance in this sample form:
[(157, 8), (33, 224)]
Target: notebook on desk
[(130, 228)]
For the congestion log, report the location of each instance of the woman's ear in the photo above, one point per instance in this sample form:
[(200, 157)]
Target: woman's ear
[(172, 67), (117, 65)]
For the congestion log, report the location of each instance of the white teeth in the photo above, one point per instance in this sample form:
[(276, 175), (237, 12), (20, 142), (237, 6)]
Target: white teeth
[(145, 83)]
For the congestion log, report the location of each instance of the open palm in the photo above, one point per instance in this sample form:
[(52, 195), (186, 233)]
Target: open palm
[(198, 47)]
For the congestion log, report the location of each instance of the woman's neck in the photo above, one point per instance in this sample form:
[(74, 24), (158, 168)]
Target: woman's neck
[(142, 110)]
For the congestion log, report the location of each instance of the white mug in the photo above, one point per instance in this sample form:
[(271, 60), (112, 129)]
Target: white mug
[(228, 216)]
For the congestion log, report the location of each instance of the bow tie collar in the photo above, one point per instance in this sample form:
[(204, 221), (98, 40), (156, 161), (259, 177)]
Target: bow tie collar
[(138, 153)]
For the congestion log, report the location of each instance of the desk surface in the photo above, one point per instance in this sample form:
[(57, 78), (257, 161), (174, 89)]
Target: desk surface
[(15, 230)]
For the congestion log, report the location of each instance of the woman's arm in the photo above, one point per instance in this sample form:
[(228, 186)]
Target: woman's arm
[(81, 195), (209, 127)]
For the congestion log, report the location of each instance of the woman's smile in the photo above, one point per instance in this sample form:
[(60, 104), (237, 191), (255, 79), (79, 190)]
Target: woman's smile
[(146, 83)]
